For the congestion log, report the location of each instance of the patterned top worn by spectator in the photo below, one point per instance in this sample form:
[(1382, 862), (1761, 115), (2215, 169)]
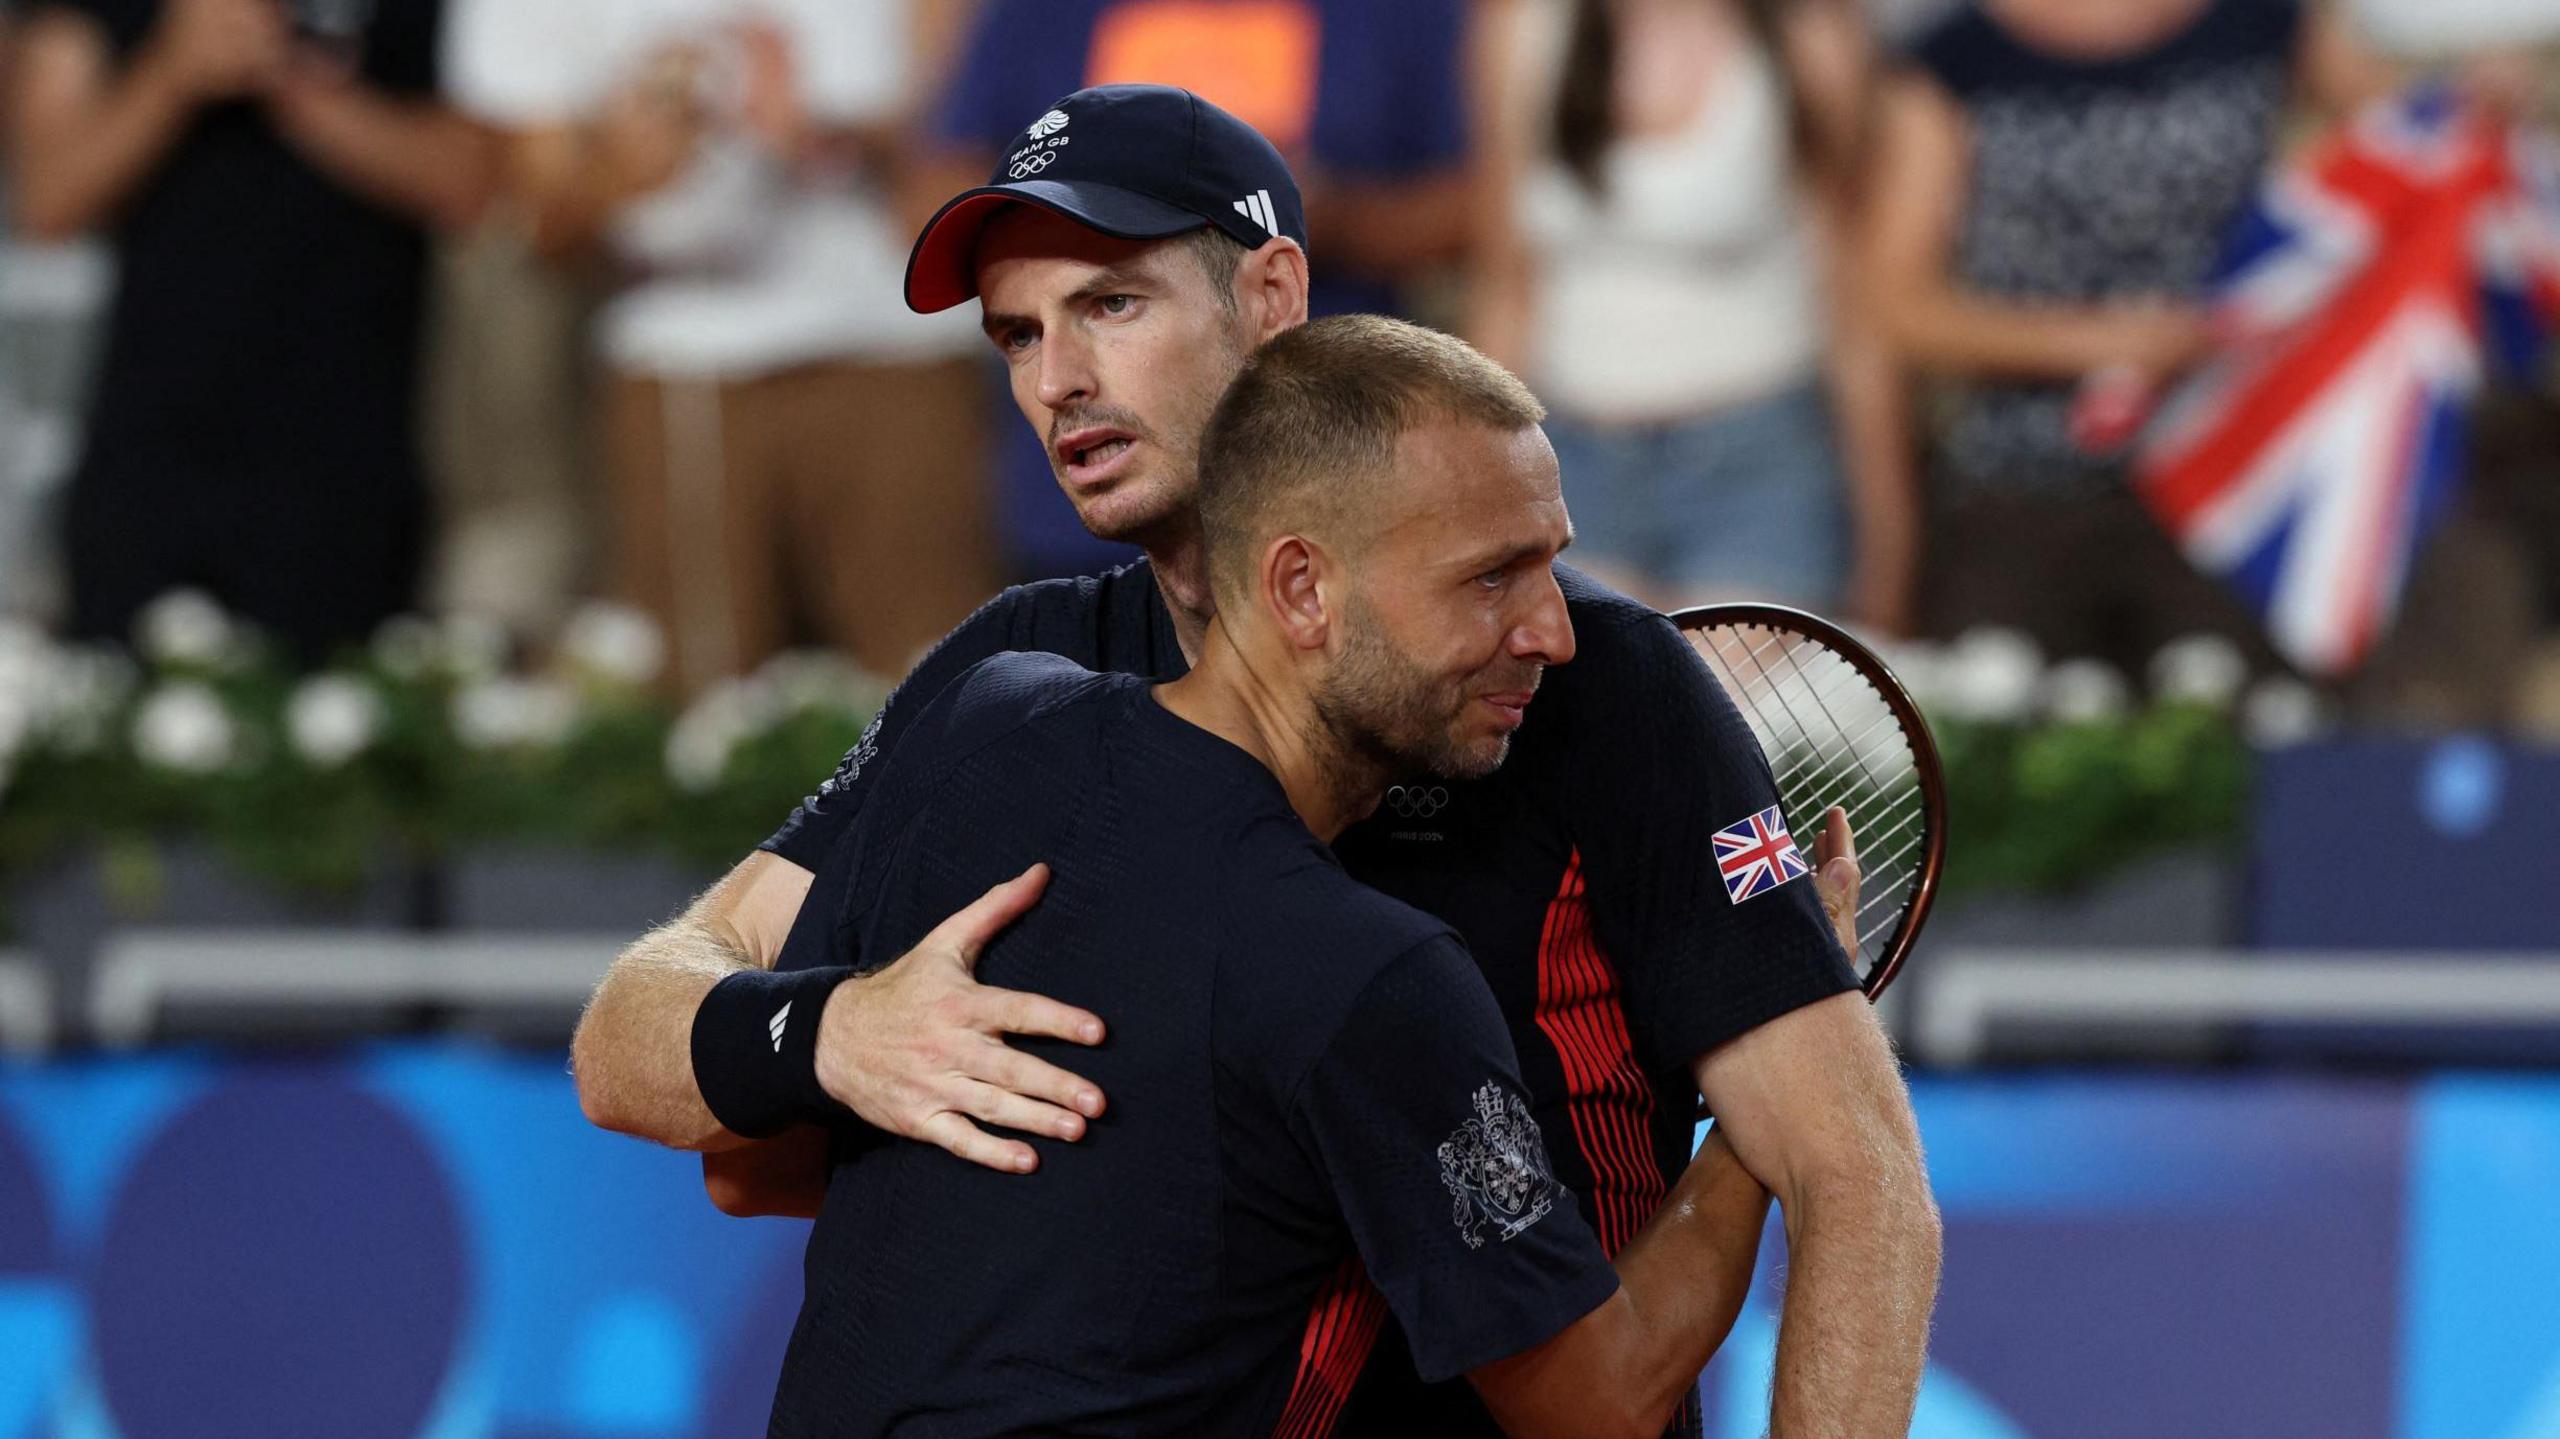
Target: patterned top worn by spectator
[(2092, 182), (2051, 185)]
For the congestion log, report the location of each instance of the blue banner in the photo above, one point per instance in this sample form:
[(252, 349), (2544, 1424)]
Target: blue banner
[(428, 1242)]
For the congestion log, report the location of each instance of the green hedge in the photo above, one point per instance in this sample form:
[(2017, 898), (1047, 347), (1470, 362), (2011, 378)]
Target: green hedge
[(431, 740)]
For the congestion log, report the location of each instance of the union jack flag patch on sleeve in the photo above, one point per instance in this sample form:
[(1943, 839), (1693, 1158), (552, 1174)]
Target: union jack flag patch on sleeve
[(1757, 855)]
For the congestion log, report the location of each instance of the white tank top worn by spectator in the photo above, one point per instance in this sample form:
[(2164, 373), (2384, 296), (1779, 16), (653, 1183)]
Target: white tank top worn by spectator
[(746, 267), (1689, 283)]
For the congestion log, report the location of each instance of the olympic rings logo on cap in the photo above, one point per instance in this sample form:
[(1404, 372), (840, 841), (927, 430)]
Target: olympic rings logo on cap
[(1030, 165)]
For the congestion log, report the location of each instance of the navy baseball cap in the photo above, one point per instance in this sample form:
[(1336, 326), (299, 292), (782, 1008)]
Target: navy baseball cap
[(1138, 162)]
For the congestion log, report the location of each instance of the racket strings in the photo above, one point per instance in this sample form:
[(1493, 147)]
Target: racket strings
[(1776, 688), (1815, 767), (1832, 739), (1785, 647), (1788, 652), (1823, 759)]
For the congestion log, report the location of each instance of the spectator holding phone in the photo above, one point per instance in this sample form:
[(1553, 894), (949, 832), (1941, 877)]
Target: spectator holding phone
[(789, 453), (267, 175)]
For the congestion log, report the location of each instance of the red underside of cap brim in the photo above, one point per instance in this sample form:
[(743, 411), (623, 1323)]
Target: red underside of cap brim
[(942, 269)]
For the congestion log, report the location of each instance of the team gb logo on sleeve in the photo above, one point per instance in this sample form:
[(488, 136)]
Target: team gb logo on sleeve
[(1496, 1169), (1757, 855)]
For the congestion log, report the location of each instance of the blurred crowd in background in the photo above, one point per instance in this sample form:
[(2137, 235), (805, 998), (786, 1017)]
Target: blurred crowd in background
[(341, 309)]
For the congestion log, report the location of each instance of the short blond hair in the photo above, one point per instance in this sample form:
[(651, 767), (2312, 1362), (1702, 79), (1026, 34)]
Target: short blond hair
[(1310, 428)]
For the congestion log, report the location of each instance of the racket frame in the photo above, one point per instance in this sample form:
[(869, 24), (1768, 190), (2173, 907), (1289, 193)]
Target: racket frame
[(1930, 773)]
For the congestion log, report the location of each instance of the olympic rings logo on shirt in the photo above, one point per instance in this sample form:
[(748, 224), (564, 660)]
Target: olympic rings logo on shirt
[(1413, 801), (1030, 165)]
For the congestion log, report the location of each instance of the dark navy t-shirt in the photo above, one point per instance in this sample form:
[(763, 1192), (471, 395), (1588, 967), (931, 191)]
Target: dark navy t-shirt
[(1304, 1073), (1581, 876)]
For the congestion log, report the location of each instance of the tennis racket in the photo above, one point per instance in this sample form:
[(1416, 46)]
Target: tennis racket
[(1839, 729)]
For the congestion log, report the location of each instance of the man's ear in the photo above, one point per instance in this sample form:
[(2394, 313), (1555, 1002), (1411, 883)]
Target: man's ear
[(1271, 288), (1295, 581)]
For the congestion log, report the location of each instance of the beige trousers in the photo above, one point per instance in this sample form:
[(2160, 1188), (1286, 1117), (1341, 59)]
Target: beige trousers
[(843, 504)]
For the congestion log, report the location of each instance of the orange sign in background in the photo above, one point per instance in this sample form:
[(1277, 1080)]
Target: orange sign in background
[(1253, 58)]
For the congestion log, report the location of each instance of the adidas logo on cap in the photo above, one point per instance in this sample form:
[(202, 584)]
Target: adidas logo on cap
[(1257, 208)]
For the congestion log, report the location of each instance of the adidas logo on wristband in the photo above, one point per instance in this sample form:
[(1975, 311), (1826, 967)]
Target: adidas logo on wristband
[(774, 1025)]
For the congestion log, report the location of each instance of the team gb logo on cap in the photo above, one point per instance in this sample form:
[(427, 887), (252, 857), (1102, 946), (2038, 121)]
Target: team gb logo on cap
[(1042, 152)]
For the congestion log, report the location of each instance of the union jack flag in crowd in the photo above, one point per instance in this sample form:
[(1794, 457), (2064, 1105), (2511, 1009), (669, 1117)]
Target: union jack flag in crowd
[(1757, 855), (2364, 297)]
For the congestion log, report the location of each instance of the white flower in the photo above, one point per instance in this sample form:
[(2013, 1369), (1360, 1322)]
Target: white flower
[(27, 665), (1991, 675), (502, 712), (2082, 691), (1921, 666), (187, 627), (182, 726), (799, 680), (26, 662), (615, 643), (699, 746), (333, 718), (2200, 669), (2282, 711), (404, 646), (17, 722), (88, 685), (471, 646)]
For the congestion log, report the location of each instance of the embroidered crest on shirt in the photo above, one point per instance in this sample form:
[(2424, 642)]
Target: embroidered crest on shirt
[(1758, 855), (1496, 1169)]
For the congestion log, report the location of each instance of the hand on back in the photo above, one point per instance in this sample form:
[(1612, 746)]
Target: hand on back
[(917, 1049)]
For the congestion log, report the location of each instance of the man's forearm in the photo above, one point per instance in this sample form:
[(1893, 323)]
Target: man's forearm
[(1624, 1368), (1863, 1274), (1818, 1111), (632, 1055), (1689, 1269)]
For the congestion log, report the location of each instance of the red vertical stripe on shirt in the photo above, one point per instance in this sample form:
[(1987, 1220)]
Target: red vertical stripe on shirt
[(1340, 1331), (1582, 1015)]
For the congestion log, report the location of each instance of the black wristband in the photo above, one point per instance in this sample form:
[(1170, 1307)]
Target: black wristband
[(755, 1049)]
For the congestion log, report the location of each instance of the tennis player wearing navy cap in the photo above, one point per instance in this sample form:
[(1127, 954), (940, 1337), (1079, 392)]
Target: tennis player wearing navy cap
[(1132, 249), (1131, 162)]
